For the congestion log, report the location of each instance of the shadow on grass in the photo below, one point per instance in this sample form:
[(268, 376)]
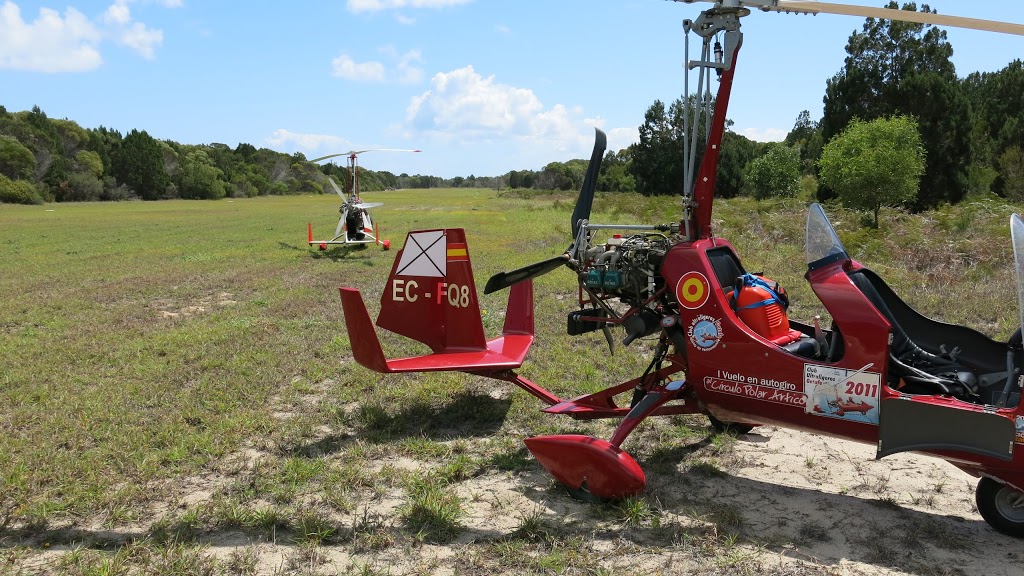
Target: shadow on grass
[(352, 252), (287, 246), (466, 415)]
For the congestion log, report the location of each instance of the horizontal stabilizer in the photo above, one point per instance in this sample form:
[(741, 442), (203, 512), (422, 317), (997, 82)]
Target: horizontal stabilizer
[(431, 297), (505, 352)]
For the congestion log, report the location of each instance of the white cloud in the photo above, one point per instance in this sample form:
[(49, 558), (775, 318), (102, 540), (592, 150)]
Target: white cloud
[(464, 110), (134, 35), (141, 39), (405, 20), (117, 13), (404, 71), (378, 5), (291, 140), (765, 134), (619, 138), (464, 103), (345, 67), (49, 44), (71, 43), (503, 29), (407, 73)]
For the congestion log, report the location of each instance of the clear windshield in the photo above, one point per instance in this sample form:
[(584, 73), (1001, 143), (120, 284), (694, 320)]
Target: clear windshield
[(1017, 236), (822, 241)]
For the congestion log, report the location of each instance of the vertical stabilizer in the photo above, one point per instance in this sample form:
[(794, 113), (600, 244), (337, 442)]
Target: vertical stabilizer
[(430, 295)]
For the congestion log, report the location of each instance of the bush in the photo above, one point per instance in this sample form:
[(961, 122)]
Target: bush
[(80, 187), (18, 191), (775, 173), (16, 161)]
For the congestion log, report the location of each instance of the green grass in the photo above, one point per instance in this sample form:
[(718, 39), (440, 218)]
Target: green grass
[(147, 346)]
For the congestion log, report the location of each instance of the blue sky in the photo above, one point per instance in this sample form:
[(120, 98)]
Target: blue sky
[(481, 86)]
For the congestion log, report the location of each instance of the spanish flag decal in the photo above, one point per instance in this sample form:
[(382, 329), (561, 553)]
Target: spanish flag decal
[(457, 253)]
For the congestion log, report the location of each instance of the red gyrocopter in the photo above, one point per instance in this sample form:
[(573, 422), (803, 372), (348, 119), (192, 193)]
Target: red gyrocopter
[(881, 374)]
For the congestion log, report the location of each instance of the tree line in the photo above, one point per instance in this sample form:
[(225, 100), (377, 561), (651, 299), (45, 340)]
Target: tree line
[(971, 131)]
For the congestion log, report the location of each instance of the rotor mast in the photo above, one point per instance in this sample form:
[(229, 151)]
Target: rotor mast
[(353, 178), (699, 192)]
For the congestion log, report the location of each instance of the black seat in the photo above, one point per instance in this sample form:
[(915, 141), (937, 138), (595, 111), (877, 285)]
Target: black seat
[(921, 371)]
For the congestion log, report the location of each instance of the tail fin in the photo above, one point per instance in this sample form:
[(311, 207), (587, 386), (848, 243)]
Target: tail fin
[(431, 297)]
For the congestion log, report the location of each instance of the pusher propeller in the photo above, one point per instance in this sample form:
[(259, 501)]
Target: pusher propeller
[(581, 212), (336, 188)]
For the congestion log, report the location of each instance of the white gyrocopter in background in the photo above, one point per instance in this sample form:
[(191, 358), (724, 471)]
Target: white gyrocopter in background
[(355, 225)]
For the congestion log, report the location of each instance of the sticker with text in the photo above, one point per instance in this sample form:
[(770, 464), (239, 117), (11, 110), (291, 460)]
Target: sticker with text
[(757, 388), (705, 332), (842, 393)]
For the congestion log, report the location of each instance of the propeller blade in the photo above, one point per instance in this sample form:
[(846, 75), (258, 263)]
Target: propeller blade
[(902, 15), (358, 152), (586, 199), (506, 279), (336, 188), (580, 212), (367, 205)]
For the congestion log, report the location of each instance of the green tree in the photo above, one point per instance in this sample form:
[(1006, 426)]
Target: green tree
[(16, 161), (875, 164), (18, 191), (774, 173), (199, 179), (90, 162), (614, 175), (655, 167), (139, 165), (737, 153), (997, 106), (902, 68), (1011, 170), (806, 136)]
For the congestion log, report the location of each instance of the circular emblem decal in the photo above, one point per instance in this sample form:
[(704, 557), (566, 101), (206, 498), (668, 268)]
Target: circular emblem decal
[(705, 332), (692, 290)]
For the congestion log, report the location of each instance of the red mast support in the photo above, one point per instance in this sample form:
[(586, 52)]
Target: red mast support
[(704, 187)]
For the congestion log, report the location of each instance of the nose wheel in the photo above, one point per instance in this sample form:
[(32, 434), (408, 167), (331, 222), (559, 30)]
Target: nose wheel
[(1002, 506)]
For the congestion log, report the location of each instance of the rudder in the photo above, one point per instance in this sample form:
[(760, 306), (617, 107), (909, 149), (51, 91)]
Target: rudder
[(430, 295)]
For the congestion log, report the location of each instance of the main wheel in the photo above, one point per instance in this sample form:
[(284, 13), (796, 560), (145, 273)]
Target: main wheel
[(729, 427), (1002, 506)]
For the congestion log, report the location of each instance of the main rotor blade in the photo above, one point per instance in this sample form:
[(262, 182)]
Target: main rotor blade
[(902, 15), (368, 205), (358, 152), (336, 188), (586, 199), (506, 279)]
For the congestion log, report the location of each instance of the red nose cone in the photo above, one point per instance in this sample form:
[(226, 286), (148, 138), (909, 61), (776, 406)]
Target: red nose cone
[(575, 460), (387, 244)]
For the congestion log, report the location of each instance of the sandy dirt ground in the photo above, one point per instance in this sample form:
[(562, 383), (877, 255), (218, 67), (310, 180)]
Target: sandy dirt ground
[(804, 504)]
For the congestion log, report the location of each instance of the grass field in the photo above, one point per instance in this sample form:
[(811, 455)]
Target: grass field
[(177, 390)]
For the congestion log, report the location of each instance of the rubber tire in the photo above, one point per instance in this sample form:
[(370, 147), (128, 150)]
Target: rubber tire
[(734, 428), (583, 494), (987, 497)]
